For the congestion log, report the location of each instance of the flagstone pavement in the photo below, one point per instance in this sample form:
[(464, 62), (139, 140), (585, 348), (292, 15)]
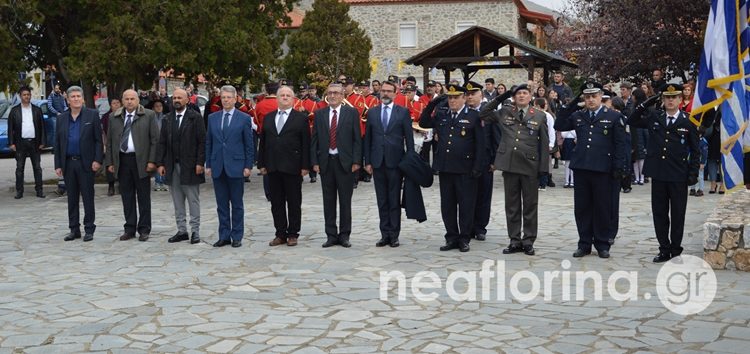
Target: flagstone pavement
[(132, 297)]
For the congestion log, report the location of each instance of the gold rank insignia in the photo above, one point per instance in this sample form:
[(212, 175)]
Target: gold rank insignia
[(452, 89), (671, 89), (469, 86)]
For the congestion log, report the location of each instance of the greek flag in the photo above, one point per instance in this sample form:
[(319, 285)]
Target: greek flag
[(724, 82)]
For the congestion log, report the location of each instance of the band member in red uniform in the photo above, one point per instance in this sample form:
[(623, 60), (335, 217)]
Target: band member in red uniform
[(415, 107), (400, 99), (429, 93), (309, 106)]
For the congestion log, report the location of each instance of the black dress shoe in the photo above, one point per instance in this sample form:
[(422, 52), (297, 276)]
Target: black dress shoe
[(236, 243), (603, 254), (394, 243), (512, 249), (111, 190), (88, 237), (662, 257), (383, 242), (40, 194), (143, 237), (580, 253), (463, 247), (194, 238), (627, 190), (178, 237), (330, 243), (480, 237), (529, 250), (222, 243), (449, 246), (345, 243), (72, 236), (18, 196)]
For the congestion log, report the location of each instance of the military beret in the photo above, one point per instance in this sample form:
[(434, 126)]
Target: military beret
[(515, 89), (591, 87), (473, 86), (671, 90), (455, 90)]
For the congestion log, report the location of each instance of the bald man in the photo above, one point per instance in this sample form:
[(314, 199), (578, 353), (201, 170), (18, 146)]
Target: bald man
[(131, 156), (180, 156)]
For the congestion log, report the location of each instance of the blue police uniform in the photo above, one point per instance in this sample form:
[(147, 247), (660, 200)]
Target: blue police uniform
[(672, 162), (598, 161), (458, 160)]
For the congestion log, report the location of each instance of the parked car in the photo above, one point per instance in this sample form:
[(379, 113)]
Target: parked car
[(49, 125)]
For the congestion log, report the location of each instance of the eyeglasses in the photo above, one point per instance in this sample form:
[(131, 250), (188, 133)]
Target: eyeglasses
[(335, 93)]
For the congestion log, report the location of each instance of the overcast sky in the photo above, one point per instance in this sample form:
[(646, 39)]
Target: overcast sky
[(552, 4)]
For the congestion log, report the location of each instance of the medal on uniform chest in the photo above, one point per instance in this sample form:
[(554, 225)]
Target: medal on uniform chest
[(605, 132), (463, 131), (682, 141)]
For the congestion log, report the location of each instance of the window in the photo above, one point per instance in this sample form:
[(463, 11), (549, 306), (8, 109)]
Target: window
[(407, 35), (464, 25)]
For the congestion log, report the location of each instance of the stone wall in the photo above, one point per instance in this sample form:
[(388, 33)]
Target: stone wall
[(726, 242), (435, 22)]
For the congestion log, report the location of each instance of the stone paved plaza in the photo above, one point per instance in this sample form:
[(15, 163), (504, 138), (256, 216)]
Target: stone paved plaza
[(130, 297)]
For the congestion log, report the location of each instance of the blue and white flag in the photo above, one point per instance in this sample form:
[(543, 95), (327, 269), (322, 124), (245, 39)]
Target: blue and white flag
[(724, 82)]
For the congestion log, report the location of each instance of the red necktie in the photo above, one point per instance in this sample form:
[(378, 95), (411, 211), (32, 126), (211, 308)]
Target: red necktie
[(332, 132)]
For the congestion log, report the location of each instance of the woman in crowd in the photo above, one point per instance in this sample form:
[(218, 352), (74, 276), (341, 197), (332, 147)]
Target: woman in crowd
[(638, 141), (687, 98)]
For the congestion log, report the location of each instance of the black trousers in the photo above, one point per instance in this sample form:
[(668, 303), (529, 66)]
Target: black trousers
[(388, 192), (666, 196), (28, 148), (521, 208), (484, 203), (79, 180), (458, 199), (132, 187), (336, 183), (286, 193), (592, 199)]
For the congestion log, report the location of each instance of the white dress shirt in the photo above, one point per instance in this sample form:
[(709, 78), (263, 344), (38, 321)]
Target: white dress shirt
[(27, 122), (182, 116), (338, 122)]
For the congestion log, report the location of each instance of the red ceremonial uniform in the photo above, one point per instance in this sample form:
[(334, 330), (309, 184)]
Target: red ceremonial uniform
[(400, 99), (415, 110), (310, 106), (262, 109), (358, 102), (425, 99), (215, 104)]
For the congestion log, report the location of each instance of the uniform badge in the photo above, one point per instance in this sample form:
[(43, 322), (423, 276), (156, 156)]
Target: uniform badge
[(605, 132), (463, 132), (682, 141)]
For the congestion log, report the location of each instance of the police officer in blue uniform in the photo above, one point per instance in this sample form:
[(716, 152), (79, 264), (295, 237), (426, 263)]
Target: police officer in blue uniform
[(672, 162), (458, 159), (599, 163)]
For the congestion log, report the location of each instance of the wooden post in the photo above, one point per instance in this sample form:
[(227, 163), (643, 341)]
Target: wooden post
[(425, 75)]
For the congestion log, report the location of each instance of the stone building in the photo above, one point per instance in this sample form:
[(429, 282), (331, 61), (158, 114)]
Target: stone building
[(401, 29)]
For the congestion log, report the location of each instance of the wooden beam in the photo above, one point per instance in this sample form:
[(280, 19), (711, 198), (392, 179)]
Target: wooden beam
[(465, 60), (425, 76), (477, 44)]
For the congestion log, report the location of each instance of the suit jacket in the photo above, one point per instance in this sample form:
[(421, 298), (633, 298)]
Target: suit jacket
[(348, 138), (145, 134), (232, 150), (186, 143), (524, 144), (288, 151), (601, 145), (90, 141), (385, 145), (673, 152), (15, 122)]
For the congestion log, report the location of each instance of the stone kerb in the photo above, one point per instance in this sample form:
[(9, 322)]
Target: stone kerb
[(726, 233)]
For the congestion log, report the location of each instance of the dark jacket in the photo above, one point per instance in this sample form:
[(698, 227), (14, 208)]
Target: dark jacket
[(417, 173), (15, 125), (387, 146), (601, 145), (186, 143), (288, 152), (90, 142), (460, 143), (348, 138), (145, 138)]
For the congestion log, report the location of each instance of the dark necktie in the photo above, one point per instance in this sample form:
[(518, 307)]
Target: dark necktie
[(385, 117), (670, 121), (125, 137), (225, 123), (332, 132), (520, 115), (591, 115), (179, 120), (454, 116)]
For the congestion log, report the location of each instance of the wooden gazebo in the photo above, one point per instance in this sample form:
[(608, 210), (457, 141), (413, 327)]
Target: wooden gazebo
[(478, 48)]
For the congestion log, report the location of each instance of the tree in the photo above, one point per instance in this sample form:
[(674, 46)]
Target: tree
[(615, 39), (124, 43), (328, 43)]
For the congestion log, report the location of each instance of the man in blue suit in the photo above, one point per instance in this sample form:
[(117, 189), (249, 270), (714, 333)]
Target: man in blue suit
[(229, 159), (78, 156), (387, 137)]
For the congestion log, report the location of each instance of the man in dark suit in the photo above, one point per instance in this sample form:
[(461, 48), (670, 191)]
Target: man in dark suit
[(388, 136), (672, 162), (78, 156), (336, 153), (284, 155), (26, 137), (131, 156), (180, 155), (523, 156), (458, 160), (229, 159)]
